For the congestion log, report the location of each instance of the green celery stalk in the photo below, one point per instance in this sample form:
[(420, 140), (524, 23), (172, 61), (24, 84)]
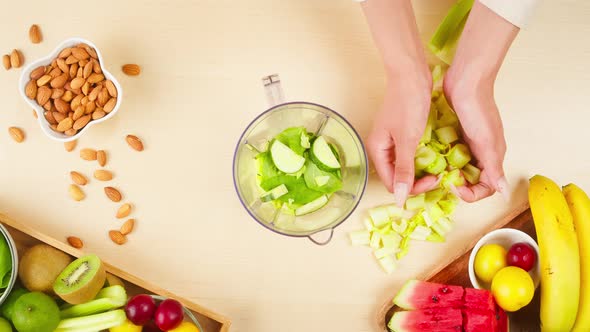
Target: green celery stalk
[(444, 41)]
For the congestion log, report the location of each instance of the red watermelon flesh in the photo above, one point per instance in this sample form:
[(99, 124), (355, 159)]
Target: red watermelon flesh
[(478, 320), (501, 320), (416, 294), (432, 320), (479, 299)]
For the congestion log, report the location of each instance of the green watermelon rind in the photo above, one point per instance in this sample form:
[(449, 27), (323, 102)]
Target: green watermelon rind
[(405, 294), (413, 289)]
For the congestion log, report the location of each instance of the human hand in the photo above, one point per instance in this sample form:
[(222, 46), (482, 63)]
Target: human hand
[(397, 130)]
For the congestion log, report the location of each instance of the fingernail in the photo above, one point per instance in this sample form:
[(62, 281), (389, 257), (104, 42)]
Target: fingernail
[(400, 193), (504, 188)]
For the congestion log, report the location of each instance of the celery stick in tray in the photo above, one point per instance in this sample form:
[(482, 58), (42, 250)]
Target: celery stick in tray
[(389, 229), (299, 171)]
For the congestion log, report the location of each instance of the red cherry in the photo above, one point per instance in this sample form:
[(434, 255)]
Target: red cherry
[(521, 255), (140, 309), (169, 315)]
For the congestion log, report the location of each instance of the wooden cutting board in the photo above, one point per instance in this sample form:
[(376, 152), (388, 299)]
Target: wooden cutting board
[(456, 273)]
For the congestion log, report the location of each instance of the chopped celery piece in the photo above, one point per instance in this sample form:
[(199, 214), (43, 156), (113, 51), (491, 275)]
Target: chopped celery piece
[(427, 219), (437, 74), (404, 247), (447, 135), (360, 238), (368, 224), (459, 156), (442, 226), (383, 252), (438, 146), (388, 264), (435, 237), (448, 207), (444, 41), (471, 173), (394, 211), (420, 233), (424, 157), (453, 177), (383, 230), (435, 213), (415, 221), (415, 202), (446, 117), (433, 196), (438, 166), (399, 226), (380, 216), (375, 241), (391, 240)]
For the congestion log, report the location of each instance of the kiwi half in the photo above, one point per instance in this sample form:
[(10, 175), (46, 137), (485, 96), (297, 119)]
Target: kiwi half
[(80, 281), (40, 266)]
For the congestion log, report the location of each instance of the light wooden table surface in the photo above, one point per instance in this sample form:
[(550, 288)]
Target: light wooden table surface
[(202, 63)]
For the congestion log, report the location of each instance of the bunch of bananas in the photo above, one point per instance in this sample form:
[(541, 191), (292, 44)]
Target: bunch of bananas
[(562, 222)]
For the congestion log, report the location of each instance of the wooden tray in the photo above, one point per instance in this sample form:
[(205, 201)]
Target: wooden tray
[(25, 237), (455, 273)]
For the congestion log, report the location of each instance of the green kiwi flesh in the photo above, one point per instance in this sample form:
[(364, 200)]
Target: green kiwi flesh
[(80, 281)]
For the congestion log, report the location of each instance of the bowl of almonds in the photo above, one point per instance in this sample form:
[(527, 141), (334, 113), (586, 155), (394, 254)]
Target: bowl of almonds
[(70, 90)]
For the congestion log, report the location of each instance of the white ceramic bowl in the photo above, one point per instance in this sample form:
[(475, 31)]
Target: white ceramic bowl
[(25, 78), (505, 237)]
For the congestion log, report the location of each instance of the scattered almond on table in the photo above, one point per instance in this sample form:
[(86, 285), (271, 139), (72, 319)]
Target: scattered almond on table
[(131, 69), (35, 34), (6, 61), (101, 156), (134, 142), (113, 194), (75, 242), (124, 211), (16, 58), (88, 154), (117, 237), (16, 134), (78, 178), (76, 193), (103, 175), (127, 226), (70, 146)]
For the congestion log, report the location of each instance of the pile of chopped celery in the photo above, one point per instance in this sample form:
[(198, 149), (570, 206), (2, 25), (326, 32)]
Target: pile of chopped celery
[(425, 217)]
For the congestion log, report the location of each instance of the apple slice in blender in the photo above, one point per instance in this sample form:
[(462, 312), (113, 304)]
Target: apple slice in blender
[(319, 180), (323, 156), (285, 159), (312, 206)]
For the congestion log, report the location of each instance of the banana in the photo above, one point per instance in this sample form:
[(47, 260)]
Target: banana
[(559, 257), (579, 205)]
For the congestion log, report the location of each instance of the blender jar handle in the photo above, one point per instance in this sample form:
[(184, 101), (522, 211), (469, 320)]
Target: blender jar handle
[(322, 242), (274, 90)]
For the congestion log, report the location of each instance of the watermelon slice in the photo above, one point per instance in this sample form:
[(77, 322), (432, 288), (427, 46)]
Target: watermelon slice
[(479, 299), (501, 320), (416, 294), (478, 320), (432, 320)]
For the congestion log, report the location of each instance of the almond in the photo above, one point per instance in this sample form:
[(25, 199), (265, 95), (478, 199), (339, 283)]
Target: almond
[(63, 66), (35, 34), (117, 237), (131, 69), (48, 106), (88, 70), (80, 53), (58, 116), (16, 58), (86, 88), (53, 126), (113, 194), (98, 114), (55, 72), (16, 134), (59, 81), (79, 112), (81, 123), (127, 226), (94, 93), (66, 52), (57, 93), (75, 242), (78, 178), (110, 105), (103, 97), (95, 78), (37, 73), (83, 63), (49, 117), (101, 156), (134, 142), (31, 90), (6, 61), (43, 80), (90, 107), (43, 95), (96, 67), (88, 154), (71, 60), (103, 175), (77, 101), (124, 211), (77, 82), (73, 70), (68, 96), (70, 146), (111, 88), (65, 124), (76, 193), (62, 106), (71, 132), (54, 63)]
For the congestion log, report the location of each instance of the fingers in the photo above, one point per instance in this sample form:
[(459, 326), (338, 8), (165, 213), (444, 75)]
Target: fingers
[(424, 184), (403, 176), (380, 146), (473, 193)]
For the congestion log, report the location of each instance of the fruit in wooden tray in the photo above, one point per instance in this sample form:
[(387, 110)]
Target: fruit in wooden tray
[(169, 315), (40, 266), (5, 325), (81, 281), (437, 307), (35, 312), (559, 256), (579, 205), (127, 326), (108, 298), (490, 259), (186, 327), (513, 288), (521, 255), (7, 307), (140, 309), (96, 322)]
